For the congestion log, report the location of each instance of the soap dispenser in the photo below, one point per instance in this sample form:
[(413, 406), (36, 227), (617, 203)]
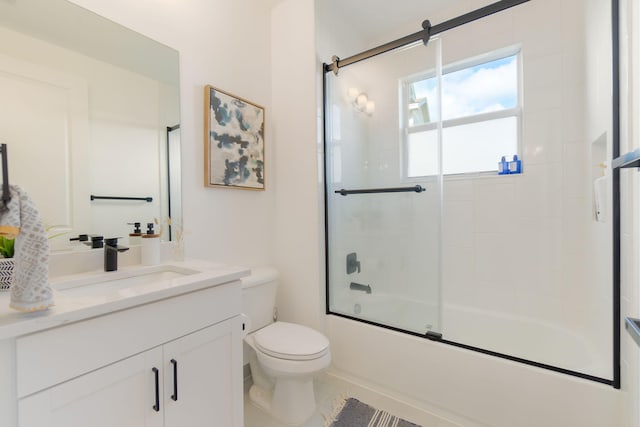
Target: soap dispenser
[(150, 251), (135, 237)]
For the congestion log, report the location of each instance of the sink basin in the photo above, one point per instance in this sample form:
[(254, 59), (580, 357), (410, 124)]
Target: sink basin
[(125, 282)]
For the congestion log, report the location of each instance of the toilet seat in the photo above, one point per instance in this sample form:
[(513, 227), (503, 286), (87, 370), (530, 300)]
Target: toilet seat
[(290, 341)]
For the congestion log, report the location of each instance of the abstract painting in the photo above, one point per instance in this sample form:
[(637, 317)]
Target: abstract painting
[(234, 141)]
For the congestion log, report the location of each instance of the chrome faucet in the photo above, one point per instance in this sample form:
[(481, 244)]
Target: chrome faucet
[(111, 249)]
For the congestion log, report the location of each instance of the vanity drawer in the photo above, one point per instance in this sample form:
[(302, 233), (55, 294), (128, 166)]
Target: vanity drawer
[(53, 356)]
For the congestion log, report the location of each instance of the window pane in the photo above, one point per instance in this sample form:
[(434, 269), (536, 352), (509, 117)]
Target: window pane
[(422, 102), (492, 86), (486, 87), (478, 147), (422, 154)]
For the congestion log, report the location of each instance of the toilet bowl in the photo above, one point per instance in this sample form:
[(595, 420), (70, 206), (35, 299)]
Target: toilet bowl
[(284, 357)]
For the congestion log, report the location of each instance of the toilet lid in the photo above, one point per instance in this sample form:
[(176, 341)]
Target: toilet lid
[(290, 341)]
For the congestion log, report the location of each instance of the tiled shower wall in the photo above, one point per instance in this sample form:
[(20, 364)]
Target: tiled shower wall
[(529, 243), (523, 247)]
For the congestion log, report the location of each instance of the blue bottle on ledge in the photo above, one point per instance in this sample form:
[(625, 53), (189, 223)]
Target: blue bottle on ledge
[(503, 166), (515, 166)]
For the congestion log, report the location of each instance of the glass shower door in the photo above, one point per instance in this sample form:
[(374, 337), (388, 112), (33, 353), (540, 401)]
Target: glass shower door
[(383, 219)]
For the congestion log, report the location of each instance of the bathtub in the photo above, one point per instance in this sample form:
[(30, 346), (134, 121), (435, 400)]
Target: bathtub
[(473, 388), (503, 333), (392, 310)]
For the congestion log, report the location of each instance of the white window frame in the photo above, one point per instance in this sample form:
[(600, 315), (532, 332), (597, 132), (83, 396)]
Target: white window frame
[(515, 111)]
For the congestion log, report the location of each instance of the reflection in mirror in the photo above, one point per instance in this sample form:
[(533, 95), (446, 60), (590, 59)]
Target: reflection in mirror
[(89, 108)]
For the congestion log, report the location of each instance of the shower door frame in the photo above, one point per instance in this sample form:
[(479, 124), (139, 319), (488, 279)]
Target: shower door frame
[(424, 35)]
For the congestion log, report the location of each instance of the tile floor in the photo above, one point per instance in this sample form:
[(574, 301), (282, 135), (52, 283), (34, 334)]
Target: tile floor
[(329, 390)]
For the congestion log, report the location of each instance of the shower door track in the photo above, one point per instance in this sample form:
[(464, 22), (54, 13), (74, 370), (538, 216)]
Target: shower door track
[(424, 35), (438, 338)]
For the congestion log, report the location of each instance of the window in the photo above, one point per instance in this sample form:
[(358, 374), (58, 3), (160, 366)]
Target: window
[(481, 109)]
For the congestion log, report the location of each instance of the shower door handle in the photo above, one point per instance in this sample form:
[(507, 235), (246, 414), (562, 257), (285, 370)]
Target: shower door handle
[(415, 188)]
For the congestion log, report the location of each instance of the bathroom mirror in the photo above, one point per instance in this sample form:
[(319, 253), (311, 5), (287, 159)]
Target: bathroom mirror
[(90, 109)]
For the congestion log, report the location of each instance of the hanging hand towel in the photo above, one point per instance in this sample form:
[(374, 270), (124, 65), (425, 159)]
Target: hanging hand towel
[(30, 290)]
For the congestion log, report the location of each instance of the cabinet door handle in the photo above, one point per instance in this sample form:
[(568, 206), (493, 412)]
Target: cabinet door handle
[(174, 396), (156, 407)]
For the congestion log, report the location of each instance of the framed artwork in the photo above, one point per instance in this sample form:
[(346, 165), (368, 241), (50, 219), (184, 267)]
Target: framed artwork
[(233, 141)]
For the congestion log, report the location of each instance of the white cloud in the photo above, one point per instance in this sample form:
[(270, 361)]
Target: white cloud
[(466, 92)]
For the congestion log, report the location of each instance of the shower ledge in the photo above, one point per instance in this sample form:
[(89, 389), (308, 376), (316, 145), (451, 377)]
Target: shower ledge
[(633, 328)]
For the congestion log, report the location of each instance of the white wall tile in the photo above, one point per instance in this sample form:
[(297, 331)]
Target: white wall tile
[(458, 223), (458, 273), (539, 191), (542, 136), (458, 189), (545, 36)]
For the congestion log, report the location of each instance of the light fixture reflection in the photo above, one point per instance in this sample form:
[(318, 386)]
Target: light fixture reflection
[(361, 102)]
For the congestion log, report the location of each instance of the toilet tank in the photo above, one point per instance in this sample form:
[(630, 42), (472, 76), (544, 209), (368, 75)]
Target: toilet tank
[(259, 296)]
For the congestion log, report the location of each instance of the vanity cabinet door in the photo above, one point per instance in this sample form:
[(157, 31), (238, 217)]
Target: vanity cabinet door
[(203, 378), (122, 394)]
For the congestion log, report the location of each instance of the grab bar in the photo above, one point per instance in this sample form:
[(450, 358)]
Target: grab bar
[(145, 199), (358, 287), (415, 188)]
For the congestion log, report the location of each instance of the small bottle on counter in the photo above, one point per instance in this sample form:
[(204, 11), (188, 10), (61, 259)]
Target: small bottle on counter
[(150, 250)]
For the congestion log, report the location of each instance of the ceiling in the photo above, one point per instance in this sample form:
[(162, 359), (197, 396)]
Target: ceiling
[(377, 20)]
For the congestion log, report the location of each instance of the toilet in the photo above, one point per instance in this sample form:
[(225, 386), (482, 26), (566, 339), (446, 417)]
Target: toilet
[(284, 357)]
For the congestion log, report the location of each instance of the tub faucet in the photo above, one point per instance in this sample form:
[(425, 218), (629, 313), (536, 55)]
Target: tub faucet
[(111, 249), (359, 287)]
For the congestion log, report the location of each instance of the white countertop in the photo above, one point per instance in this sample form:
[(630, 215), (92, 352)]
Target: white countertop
[(68, 309)]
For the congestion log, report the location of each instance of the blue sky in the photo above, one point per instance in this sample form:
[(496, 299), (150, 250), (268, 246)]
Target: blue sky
[(483, 88)]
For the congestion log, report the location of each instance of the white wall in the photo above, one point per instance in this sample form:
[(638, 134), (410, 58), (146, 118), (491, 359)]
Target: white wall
[(299, 234), (226, 44)]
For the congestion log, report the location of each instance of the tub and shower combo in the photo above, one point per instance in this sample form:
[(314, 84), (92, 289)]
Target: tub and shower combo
[(461, 201)]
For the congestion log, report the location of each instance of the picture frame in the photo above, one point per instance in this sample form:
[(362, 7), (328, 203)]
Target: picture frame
[(234, 153)]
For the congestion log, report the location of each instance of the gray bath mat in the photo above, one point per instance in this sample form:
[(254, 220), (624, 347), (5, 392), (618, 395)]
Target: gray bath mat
[(353, 413)]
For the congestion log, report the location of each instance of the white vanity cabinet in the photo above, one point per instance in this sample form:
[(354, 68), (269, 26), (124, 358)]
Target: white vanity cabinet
[(199, 378), (175, 363), (120, 394)]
